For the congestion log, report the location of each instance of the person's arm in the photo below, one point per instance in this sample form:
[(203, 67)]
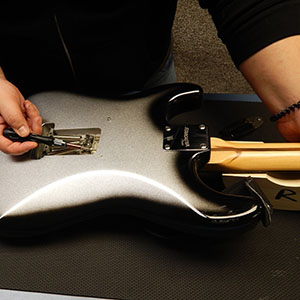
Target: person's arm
[(263, 39), (274, 73), (18, 113)]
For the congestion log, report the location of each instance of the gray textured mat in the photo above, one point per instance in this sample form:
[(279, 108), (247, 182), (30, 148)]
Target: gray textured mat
[(130, 264)]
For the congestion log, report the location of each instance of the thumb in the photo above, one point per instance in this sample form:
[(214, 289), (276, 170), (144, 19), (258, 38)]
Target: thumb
[(23, 130), (15, 119), (12, 108)]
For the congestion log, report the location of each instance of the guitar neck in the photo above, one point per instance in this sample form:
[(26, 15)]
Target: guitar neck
[(253, 156)]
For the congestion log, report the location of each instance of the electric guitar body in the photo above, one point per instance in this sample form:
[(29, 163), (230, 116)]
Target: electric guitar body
[(130, 167)]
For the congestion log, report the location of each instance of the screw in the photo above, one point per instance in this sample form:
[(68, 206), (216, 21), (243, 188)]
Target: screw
[(202, 127), (167, 128), (203, 146), (167, 147)]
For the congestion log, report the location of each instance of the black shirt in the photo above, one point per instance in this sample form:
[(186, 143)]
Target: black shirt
[(116, 45), (246, 26)]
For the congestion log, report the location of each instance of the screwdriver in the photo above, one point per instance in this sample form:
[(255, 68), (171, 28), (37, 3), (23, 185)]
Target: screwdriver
[(40, 139)]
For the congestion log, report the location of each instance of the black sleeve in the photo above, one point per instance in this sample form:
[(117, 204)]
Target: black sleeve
[(246, 26)]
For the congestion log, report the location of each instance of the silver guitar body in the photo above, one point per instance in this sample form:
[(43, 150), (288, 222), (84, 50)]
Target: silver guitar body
[(129, 174)]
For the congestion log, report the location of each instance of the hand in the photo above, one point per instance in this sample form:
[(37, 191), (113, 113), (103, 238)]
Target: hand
[(274, 74), (289, 126), (19, 114)]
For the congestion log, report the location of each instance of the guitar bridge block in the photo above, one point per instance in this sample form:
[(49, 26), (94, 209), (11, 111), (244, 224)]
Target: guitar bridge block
[(86, 138)]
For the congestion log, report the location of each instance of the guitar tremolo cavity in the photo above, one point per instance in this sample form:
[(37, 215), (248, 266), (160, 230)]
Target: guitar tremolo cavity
[(82, 141)]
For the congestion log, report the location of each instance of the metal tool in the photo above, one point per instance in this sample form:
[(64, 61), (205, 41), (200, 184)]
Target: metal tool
[(40, 139)]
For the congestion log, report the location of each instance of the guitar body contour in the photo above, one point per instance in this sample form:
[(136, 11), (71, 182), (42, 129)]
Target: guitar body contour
[(129, 174)]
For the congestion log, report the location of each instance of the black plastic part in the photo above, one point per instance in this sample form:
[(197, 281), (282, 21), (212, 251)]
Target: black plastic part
[(241, 128), (13, 136)]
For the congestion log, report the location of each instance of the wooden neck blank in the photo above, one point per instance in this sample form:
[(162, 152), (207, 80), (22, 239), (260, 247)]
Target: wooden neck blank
[(253, 156)]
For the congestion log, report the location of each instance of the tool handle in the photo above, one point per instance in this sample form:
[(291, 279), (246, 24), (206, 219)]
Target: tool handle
[(13, 136)]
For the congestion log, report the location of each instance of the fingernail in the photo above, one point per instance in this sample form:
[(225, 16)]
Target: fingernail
[(23, 131)]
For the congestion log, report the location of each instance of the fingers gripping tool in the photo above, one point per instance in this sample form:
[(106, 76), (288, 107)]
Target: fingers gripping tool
[(40, 139)]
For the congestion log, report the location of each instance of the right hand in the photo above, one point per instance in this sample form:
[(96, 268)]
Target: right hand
[(19, 114)]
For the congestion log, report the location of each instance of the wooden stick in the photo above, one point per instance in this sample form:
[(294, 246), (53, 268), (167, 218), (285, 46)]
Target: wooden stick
[(253, 156), (219, 144)]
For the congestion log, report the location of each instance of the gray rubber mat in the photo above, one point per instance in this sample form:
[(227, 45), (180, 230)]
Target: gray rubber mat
[(128, 263)]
